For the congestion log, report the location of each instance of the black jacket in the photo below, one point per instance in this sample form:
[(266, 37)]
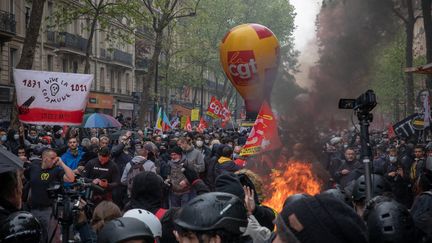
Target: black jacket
[(6, 208)]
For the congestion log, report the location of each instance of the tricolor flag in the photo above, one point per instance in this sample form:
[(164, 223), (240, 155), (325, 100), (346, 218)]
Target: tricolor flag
[(158, 125), (166, 124)]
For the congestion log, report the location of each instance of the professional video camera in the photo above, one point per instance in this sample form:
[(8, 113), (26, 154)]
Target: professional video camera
[(363, 104), (71, 201)]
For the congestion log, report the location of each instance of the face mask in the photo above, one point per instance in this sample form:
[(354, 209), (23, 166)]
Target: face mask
[(199, 143), (16, 136), (393, 159), (4, 138), (32, 137)]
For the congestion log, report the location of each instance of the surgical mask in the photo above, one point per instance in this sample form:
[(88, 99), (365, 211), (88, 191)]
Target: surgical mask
[(3, 138), (199, 143), (32, 137), (207, 141), (16, 136), (392, 159)]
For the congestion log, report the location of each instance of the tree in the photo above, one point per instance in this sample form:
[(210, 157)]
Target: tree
[(388, 76), (199, 38), (112, 17), (409, 20), (29, 47), (427, 23), (161, 14)]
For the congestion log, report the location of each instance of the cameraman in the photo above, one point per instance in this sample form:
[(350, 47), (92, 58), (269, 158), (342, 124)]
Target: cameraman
[(41, 175), (102, 171)]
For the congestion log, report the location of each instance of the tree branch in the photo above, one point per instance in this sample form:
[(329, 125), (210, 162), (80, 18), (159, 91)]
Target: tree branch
[(400, 15)]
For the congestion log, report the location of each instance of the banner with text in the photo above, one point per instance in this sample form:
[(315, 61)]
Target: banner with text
[(214, 109), (51, 98)]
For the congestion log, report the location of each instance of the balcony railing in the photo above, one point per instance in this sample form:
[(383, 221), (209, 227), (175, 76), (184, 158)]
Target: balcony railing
[(72, 41), (142, 63), (122, 57), (7, 22)]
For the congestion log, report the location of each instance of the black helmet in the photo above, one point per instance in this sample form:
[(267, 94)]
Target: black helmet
[(214, 211), (125, 228), (294, 198), (388, 221), (339, 194), (20, 227), (379, 186)]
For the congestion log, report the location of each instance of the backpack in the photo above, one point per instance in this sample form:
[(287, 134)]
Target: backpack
[(133, 171)]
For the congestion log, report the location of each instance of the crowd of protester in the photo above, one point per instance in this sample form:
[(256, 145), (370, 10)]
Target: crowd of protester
[(195, 187)]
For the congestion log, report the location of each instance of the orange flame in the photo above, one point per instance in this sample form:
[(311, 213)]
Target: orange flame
[(297, 177)]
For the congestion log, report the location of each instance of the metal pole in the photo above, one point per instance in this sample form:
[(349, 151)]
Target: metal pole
[(366, 151)]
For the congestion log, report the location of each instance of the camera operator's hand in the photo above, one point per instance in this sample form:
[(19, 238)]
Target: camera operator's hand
[(345, 171), (191, 175), (103, 183)]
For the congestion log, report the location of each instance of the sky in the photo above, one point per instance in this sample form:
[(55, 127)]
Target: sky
[(305, 21)]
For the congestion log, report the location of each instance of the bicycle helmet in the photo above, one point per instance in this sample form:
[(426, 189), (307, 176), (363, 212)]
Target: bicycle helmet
[(148, 218), (214, 211)]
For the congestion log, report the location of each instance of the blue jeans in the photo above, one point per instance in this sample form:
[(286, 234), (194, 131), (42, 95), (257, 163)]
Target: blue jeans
[(178, 200)]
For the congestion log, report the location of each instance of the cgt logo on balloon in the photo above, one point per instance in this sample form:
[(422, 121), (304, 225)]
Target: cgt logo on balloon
[(242, 66)]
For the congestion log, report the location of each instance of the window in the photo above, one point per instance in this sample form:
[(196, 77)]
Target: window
[(27, 16), (75, 67), (12, 6), (127, 84), (50, 62), (112, 81), (65, 65), (102, 79), (119, 82), (13, 61)]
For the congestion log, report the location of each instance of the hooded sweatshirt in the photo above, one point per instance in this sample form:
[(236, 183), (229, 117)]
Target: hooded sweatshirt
[(148, 165)]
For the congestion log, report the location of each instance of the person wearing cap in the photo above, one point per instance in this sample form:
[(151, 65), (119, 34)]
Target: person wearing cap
[(180, 189), (102, 171)]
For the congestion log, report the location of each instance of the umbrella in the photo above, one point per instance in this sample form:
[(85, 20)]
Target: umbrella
[(9, 161), (99, 120)]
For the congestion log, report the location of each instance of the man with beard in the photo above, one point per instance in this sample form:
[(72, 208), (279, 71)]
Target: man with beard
[(349, 170), (73, 154)]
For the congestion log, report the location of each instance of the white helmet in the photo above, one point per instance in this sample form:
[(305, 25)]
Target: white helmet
[(148, 218)]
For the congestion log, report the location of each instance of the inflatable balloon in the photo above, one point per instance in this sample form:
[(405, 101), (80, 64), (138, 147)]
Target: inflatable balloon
[(249, 55)]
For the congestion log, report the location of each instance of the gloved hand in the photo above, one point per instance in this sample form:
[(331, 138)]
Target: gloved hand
[(190, 174)]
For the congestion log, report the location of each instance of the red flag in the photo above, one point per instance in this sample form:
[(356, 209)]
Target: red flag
[(188, 125), (390, 132), (264, 134), (202, 125), (214, 109)]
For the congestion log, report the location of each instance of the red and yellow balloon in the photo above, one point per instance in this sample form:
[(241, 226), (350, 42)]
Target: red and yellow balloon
[(249, 55)]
